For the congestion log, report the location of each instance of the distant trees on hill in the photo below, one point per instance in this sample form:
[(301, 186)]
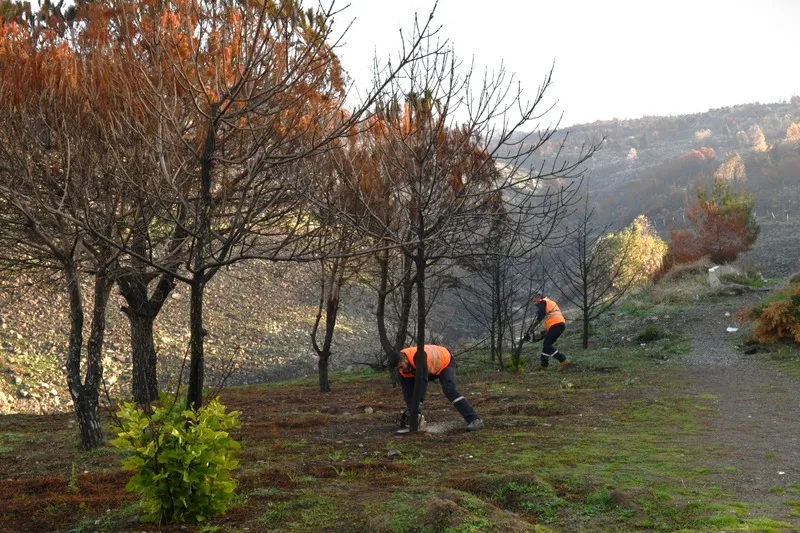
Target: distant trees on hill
[(732, 169), (793, 132), (637, 252), (722, 225)]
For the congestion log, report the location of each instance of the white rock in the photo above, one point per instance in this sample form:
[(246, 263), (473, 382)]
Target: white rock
[(731, 329), (368, 410)]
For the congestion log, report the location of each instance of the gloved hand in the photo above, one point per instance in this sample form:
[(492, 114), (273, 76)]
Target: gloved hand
[(527, 337)]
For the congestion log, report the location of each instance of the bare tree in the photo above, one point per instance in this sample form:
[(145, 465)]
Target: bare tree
[(447, 161), (335, 272), (589, 271), (496, 292)]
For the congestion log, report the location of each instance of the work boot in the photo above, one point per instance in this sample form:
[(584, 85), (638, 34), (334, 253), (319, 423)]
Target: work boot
[(475, 425), (564, 364), (422, 426), (402, 421)]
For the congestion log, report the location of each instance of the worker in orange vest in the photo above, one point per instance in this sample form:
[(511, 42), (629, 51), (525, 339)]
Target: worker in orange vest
[(439, 367), (547, 311)]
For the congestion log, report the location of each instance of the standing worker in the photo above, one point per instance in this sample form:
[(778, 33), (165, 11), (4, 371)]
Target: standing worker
[(439, 367), (548, 311)]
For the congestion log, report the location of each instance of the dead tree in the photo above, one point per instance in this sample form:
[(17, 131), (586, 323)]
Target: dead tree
[(447, 159), (588, 271), (53, 170)]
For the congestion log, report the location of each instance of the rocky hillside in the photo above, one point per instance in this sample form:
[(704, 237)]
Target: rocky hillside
[(259, 317), (653, 165)]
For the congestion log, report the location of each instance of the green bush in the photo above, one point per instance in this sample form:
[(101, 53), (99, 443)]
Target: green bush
[(650, 334), (508, 364), (636, 253), (182, 459)]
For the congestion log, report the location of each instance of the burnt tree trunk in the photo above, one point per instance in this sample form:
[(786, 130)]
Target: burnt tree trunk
[(145, 379), (406, 298), (85, 393), (194, 395), (586, 318), (329, 298), (324, 352), (142, 308), (141, 311), (420, 359), (380, 310)]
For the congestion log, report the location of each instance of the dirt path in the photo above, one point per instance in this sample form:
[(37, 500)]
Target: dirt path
[(755, 425)]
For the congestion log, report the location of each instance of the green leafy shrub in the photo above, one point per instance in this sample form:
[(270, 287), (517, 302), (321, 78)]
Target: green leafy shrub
[(518, 367), (182, 459)]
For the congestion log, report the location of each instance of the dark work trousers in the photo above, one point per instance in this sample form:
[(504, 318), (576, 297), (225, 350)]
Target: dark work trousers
[(447, 379), (548, 348)]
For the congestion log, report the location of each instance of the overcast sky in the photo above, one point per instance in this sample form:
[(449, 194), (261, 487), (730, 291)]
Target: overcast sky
[(613, 58)]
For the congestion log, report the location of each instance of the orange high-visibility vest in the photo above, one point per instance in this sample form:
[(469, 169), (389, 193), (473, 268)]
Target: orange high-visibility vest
[(552, 314), (438, 358)]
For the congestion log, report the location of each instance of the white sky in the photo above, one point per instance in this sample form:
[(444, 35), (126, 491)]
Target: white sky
[(613, 58)]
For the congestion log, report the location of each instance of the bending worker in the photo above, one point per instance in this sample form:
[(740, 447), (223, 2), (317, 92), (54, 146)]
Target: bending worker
[(548, 311), (439, 367)]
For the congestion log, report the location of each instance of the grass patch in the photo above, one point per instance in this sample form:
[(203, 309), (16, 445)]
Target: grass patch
[(785, 355), (650, 334), (749, 277), (613, 445), (9, 441)]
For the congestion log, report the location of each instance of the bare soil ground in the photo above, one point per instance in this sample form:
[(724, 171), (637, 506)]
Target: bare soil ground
[(754, 426)]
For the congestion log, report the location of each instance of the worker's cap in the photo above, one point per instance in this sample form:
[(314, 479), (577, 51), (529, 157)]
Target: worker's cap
[(395, 359)]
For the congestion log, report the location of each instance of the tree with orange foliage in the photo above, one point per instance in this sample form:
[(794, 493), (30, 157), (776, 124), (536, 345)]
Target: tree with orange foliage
[(723, 226), (231, 100), (54, 169), (161, 135), (447, 166)]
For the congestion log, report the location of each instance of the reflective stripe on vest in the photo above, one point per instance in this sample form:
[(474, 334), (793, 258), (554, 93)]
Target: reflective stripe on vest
[(438, 357), (552, 314)]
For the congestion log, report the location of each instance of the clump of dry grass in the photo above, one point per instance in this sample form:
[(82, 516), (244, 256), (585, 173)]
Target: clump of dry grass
[(685, 270)]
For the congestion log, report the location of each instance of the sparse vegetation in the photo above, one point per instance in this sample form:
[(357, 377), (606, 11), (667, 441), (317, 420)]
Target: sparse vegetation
[(777, 317), (546, 459)]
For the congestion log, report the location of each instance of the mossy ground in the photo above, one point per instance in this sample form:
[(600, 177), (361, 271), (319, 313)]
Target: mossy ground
[(612, 445)]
